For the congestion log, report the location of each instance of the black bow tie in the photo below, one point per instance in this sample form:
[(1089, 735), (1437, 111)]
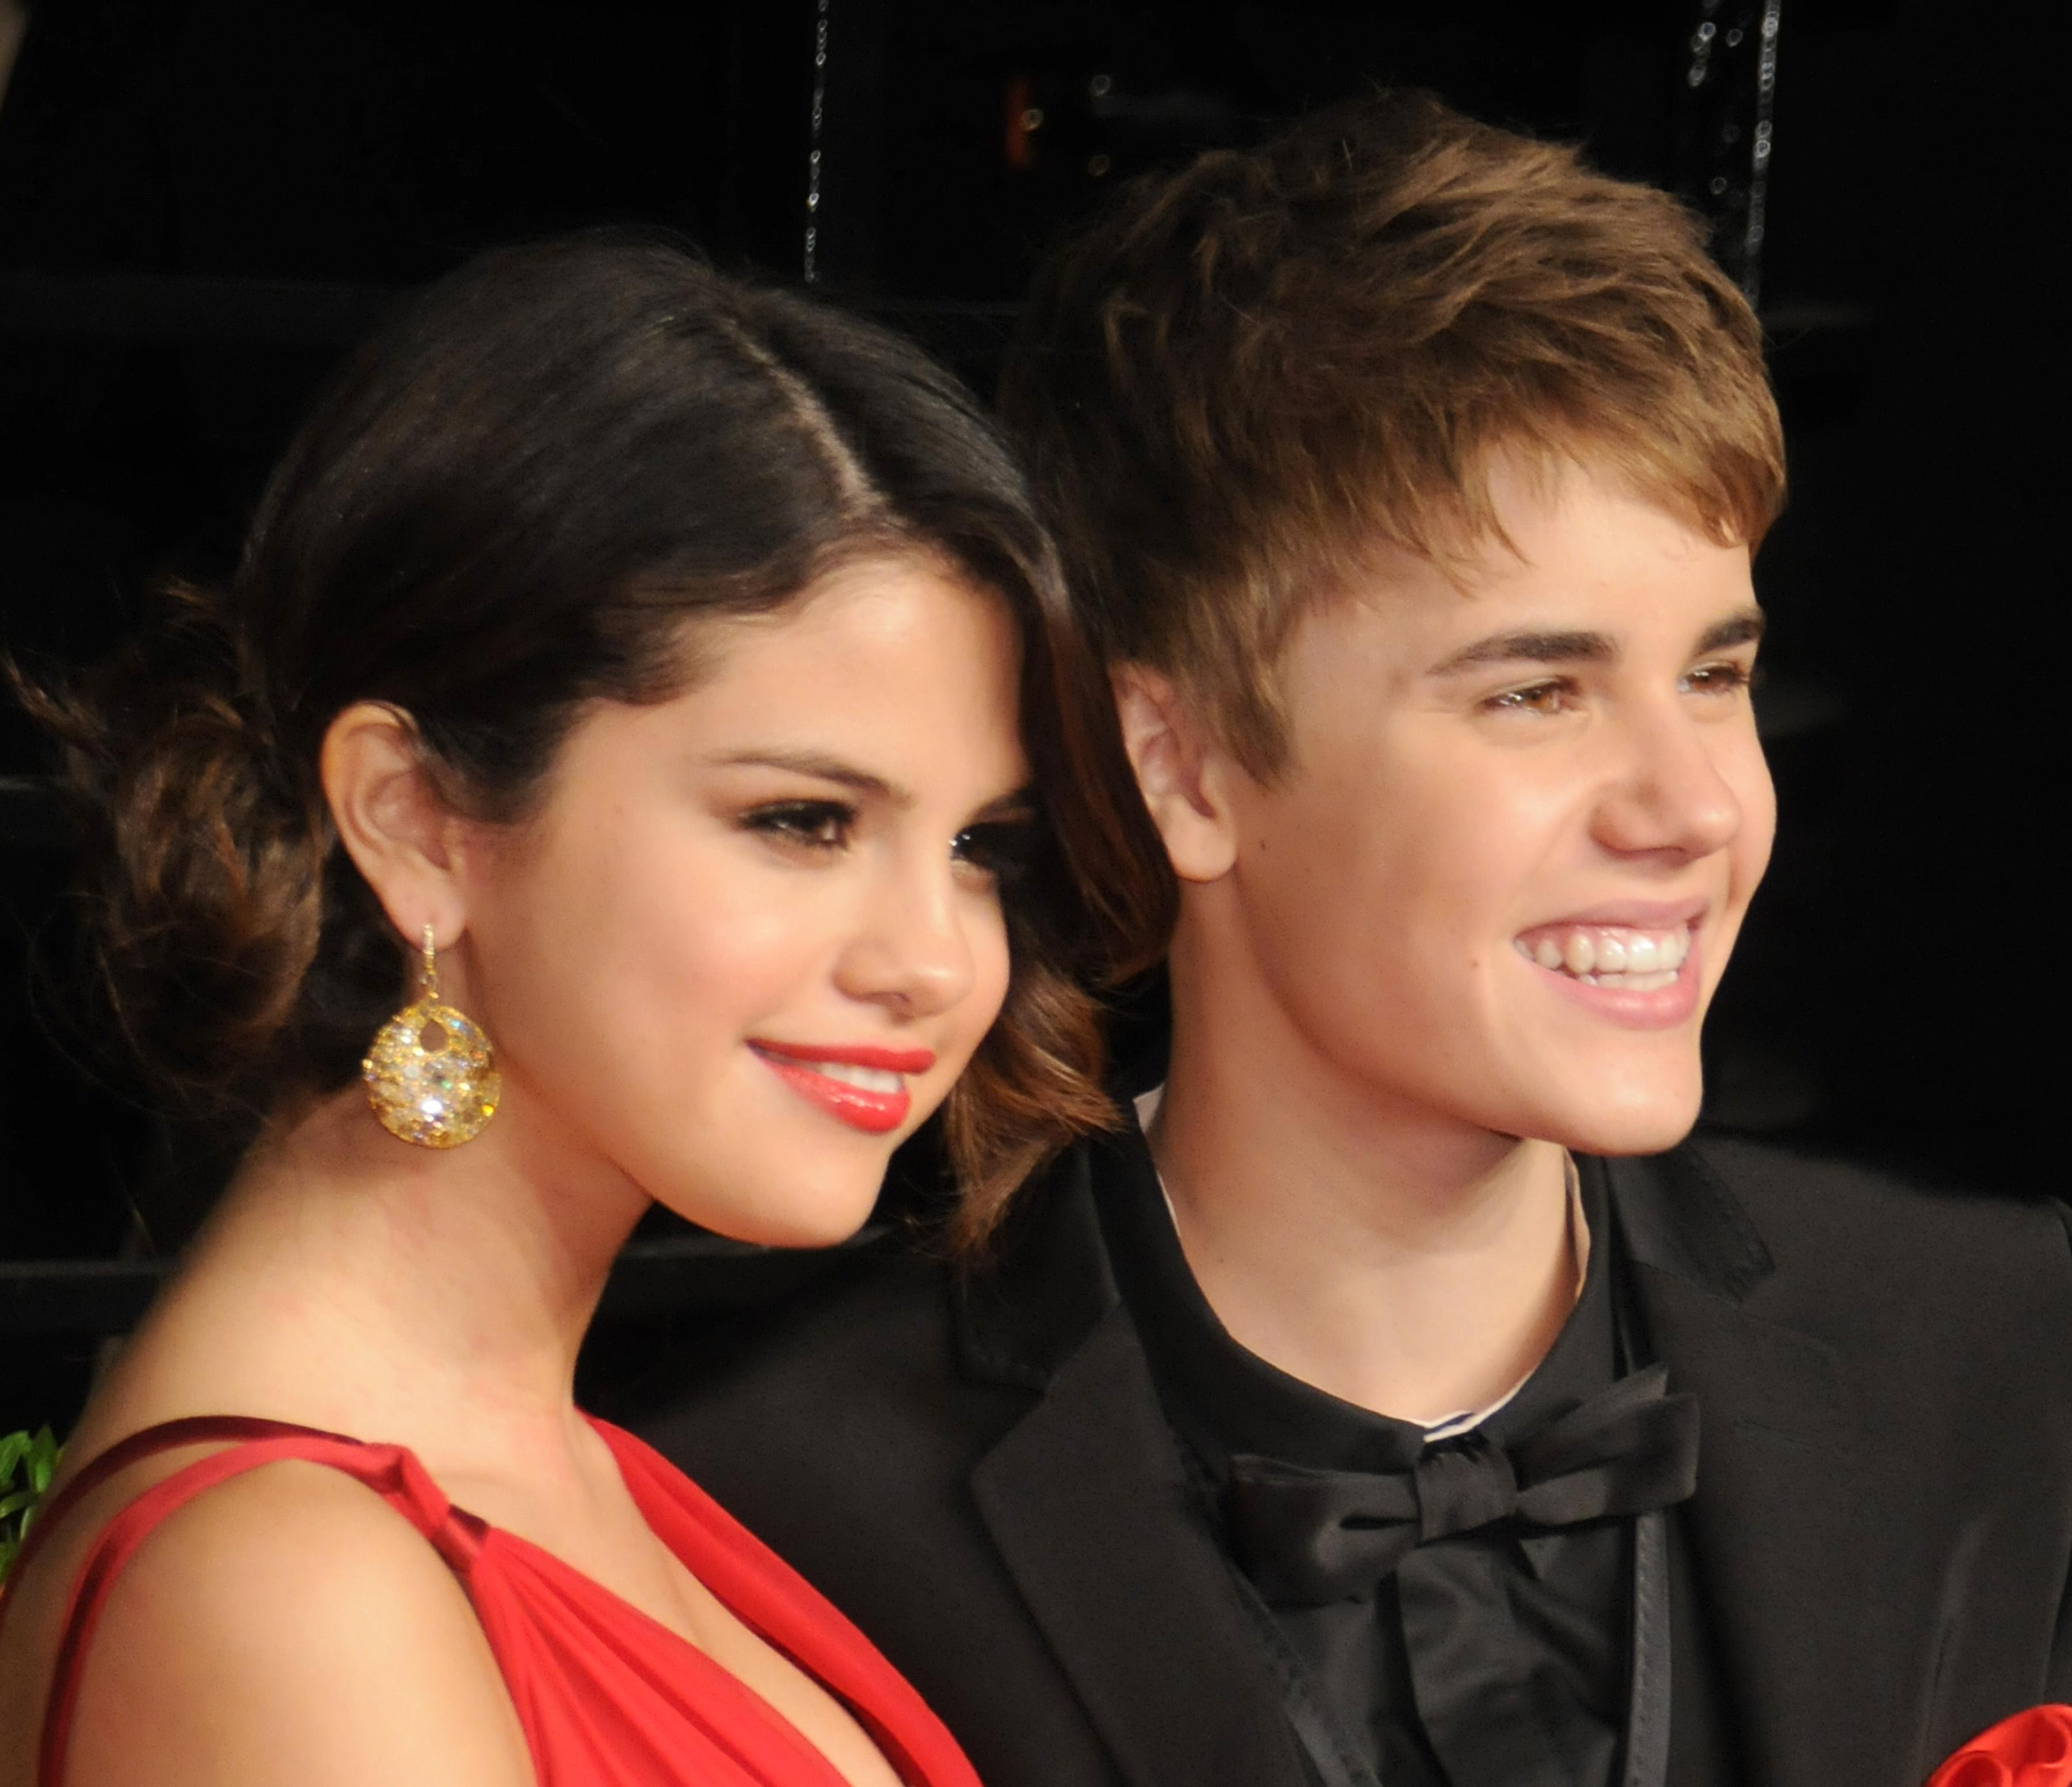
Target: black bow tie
[(1307, 1538)]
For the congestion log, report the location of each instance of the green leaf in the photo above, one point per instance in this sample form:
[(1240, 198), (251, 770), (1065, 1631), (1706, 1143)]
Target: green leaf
[(33, 1457)]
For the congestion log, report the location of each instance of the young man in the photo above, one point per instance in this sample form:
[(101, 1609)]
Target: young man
[(1401, 1399)]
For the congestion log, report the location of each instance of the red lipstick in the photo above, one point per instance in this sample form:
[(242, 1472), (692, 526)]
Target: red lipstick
[(889, 1060), (877, 1111)]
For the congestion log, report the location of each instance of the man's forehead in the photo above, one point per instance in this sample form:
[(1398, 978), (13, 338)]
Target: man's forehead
[(1519, 510)]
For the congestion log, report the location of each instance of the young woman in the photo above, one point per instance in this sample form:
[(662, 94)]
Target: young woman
[(602, 784)]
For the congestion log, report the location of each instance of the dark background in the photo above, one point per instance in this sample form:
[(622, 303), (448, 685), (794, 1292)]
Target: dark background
[(203, 202)]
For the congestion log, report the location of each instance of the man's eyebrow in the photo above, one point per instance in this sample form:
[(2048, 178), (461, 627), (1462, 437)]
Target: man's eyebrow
[(1532, 647), (1744, 628), (823, 768), (1740, 628)]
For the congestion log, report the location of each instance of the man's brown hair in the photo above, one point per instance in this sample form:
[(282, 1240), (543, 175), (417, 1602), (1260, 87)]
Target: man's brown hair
[(1246, 376)]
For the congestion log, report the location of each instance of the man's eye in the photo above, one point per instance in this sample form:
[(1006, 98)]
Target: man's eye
[(1549, 697), (1003, 849), (817, 825), (1719, 679)]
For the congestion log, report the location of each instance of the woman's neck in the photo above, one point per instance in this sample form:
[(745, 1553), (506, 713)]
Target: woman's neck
[(1398, 1258), (436, 1298)]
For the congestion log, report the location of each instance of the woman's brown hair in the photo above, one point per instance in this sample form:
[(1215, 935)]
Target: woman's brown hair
[(514, 502)]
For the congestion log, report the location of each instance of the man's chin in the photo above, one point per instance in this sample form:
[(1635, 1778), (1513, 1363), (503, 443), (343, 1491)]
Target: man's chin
[(1634, 1125)]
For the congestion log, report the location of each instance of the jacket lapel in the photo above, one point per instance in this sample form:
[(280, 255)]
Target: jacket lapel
[(1784, 1526), (1089, 1499)]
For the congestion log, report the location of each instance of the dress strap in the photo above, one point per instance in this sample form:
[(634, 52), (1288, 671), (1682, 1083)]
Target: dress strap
[(194, 1429), (391, 1472)]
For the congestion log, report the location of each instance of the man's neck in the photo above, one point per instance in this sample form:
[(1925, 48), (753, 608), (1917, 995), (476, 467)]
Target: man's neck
[(1398, 1259)]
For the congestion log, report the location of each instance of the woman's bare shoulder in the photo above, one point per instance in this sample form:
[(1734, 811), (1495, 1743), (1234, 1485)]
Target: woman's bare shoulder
[(288, 1625)]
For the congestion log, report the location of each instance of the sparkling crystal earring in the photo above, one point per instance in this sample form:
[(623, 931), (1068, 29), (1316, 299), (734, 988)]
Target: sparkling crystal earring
[(431, 1075)]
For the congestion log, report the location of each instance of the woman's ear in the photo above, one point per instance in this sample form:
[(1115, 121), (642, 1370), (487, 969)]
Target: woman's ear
[(405, 839), (1183, 774)]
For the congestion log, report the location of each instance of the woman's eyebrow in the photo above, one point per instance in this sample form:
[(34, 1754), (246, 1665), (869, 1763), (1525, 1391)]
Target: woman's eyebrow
[(823, 768), (1015, 805)]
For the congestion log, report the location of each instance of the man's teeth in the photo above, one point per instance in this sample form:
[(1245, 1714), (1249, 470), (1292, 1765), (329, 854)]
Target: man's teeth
[(1612, 955), (870, 1079)]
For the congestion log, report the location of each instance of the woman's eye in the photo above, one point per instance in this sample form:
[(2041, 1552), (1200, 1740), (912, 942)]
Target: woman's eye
[(816, 825), (1719, 679), (1003, 850), (1550, 697)]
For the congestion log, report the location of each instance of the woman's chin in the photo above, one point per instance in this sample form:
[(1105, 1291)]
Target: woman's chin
[(791, 1220)]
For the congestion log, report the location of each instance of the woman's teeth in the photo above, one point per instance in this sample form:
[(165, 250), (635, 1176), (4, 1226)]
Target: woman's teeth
[(870, 1079), (1611, 956)]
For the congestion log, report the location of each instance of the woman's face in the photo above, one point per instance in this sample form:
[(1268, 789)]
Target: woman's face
[(754, 933)]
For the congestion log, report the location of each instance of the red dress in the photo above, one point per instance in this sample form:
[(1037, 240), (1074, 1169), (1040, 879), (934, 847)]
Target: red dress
[(607, 1697)]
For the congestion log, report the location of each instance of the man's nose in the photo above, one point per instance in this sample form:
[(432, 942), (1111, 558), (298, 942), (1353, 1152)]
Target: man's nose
[(1668, 796)]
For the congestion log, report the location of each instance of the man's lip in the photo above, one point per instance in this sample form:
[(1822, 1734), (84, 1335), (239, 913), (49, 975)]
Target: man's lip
[(1637, 914), (1657, 1008), (875, 1055)]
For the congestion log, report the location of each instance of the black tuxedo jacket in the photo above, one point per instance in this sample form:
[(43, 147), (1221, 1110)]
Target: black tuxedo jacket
[(1873, 1570)]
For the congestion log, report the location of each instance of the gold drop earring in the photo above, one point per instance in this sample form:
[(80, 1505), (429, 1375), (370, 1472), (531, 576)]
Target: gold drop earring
[(431, 1075)]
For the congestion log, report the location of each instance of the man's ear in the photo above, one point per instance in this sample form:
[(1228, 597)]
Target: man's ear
[(403, 838), (1184, 776)]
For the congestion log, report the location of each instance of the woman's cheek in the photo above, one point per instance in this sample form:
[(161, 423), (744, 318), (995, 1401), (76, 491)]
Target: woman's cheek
[(992, 972)]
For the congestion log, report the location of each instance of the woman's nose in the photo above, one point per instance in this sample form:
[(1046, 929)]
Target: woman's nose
[(912, 952)]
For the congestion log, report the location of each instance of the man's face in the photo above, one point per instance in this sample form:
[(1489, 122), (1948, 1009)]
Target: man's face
[(1520, 826)]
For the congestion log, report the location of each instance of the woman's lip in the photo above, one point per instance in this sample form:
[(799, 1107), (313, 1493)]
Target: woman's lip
[(891, 1061), (875, 1112), (1657, 1008)]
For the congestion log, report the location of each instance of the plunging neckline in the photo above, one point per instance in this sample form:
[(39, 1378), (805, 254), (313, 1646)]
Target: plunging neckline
[(701, 1660)]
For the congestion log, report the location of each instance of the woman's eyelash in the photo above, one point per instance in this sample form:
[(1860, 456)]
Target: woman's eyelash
[(1004, 849), (818, 825)]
